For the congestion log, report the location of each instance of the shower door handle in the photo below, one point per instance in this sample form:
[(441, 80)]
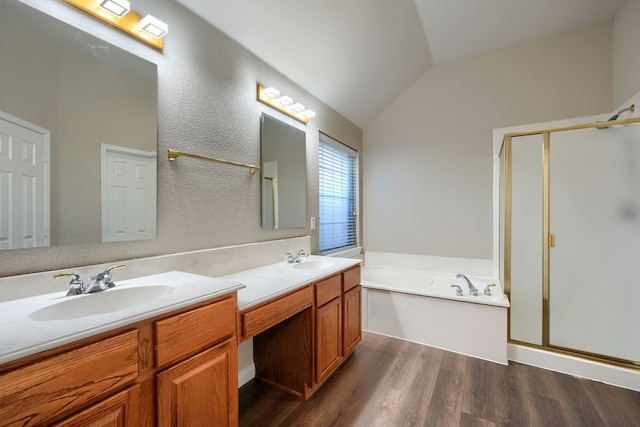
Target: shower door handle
[(552, 240)]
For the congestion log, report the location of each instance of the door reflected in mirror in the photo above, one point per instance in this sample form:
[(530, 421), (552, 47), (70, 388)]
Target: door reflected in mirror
[(75, 93), (284, 175)]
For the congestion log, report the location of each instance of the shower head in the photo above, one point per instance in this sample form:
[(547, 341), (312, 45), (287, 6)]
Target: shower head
[(631, 109)]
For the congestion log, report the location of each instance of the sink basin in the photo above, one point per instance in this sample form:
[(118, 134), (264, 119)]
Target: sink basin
[(111, 300), (313, 265)]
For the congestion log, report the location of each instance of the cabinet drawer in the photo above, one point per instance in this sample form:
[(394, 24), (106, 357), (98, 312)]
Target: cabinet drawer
[(254, 321), (46, 389), (118, 410), (351, 278), (328, 289), (194, 330)]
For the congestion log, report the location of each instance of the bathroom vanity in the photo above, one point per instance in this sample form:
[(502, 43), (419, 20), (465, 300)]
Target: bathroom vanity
[(168, 364), (301, 336), (168, 359)]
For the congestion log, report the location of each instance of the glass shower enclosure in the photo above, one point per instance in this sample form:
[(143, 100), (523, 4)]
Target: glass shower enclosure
[(570, 239)]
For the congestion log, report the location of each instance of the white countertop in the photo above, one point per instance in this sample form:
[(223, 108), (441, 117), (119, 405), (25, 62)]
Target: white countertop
[(21, 334), (271, 281), (23, 330)]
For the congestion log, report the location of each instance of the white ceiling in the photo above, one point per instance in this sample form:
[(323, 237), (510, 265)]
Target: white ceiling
[(357, 56)]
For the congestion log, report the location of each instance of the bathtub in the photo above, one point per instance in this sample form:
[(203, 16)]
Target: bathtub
[(422, 306)]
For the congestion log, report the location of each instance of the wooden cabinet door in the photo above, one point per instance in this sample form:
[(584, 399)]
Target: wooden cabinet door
[(352, 319), (202, 390), (328, 338), (120, 410)]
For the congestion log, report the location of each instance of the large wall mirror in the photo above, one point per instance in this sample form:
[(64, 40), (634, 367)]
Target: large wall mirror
[(284, 175), (78, 135)]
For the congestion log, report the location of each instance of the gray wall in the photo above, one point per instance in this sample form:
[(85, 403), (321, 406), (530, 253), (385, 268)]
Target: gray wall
[(428, 157), (207, 106), (626, 59)]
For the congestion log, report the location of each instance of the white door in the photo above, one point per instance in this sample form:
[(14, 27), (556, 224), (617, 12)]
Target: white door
[(128, 194), (24, 184)]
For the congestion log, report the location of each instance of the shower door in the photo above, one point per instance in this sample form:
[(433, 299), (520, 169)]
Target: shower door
[(594, 265)]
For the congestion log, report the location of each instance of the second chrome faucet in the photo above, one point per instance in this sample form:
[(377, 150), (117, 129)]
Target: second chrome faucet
[(293, 259)]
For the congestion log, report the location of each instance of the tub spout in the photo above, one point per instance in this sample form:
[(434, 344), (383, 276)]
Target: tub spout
[(473, 291)]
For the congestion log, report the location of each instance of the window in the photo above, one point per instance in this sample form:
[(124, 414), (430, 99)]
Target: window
[(338, 195)]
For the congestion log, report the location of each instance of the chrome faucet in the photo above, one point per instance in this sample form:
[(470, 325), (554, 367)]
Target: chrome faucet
[(99, 282), (293, 259), (102, 281), (473, 291)]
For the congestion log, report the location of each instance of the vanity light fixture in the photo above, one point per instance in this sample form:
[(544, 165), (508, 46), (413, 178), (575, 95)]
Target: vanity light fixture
[(284, 101), (271, 97), (118, 13), (117, 7), (271, 93), (296, 108), (154, 26)]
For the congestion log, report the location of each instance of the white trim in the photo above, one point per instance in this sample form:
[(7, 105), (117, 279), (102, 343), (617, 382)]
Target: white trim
[(246, 375), (25, 124), (596, 371)]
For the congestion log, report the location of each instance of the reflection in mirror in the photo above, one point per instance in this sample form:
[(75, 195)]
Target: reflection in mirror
[(284, 175), (65, 96)]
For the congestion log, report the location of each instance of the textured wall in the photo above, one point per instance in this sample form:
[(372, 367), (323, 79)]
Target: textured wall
[(428, 160), (206, 95)]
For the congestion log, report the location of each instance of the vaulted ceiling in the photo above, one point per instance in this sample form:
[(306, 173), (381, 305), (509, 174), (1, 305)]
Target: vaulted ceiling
[(357, 56)]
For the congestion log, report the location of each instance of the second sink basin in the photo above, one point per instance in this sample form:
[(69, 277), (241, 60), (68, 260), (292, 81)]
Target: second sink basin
[(313, 265), (111, 300)]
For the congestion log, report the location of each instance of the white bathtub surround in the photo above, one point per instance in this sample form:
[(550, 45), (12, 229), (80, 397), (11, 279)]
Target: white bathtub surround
[(432, 284), (406, 300), (468, 266), (471, 329)]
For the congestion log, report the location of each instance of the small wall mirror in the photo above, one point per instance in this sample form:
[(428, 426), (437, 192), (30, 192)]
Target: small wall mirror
[(284, 175), (92, 107)]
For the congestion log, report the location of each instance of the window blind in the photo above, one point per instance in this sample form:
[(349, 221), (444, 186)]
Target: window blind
[(337, 224)]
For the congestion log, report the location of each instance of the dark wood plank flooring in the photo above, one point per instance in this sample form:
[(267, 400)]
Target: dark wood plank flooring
[(389, 382)]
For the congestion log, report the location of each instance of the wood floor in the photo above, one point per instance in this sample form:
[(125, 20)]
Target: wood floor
[(389, 382)]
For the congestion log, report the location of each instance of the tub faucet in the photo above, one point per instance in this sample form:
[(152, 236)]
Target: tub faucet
[(473, 291), (102, 281)]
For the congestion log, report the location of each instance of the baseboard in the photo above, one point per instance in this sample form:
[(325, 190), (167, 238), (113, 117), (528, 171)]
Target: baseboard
[(246, 375), (596, 371)]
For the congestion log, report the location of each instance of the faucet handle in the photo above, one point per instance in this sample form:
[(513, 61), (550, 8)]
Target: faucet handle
[(301, 252), (76, 285), (114, 267), (458, 291), (106, 277), (487, 289)]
